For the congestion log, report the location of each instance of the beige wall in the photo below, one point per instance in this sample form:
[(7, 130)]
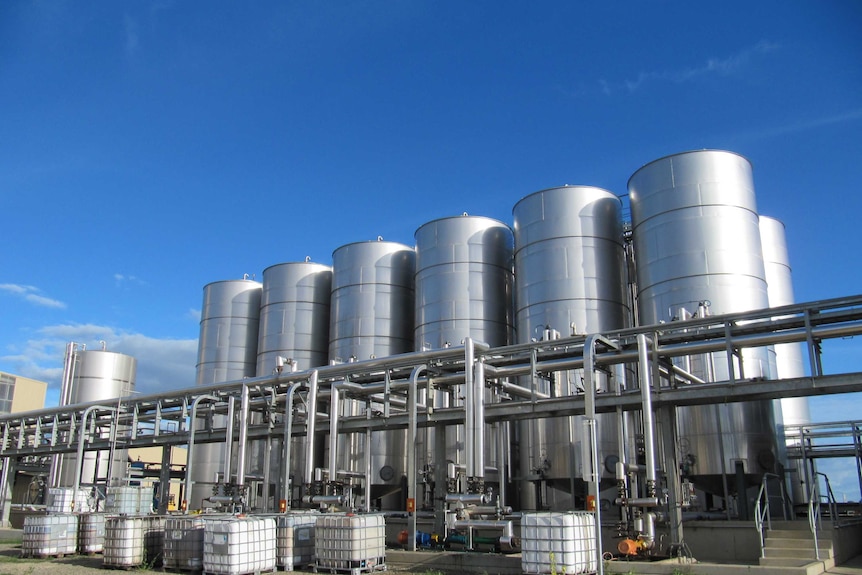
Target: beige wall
[(29, 394)]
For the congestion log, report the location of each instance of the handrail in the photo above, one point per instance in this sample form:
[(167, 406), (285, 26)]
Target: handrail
[(815, 520), (761, 509)]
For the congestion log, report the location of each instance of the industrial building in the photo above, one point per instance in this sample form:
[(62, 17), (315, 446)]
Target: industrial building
[(644, 373)]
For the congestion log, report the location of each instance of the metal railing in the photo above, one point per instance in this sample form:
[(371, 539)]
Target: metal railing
[(815, 515), (762, 512)]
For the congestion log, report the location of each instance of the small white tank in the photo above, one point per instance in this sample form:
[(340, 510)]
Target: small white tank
[(558, 542), (294, 534), (184, 542), (91, 533), (133, 541), (239, 545), (50, 535), (350, 542)]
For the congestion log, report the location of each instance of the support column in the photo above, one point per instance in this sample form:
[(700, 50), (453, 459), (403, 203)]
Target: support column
[(670, 458), (164, 481)]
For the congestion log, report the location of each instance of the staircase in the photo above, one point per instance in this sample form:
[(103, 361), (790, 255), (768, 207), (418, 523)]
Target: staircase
[(791, 544)]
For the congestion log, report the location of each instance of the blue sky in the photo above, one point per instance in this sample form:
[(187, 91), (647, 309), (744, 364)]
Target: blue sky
[(149, 148)]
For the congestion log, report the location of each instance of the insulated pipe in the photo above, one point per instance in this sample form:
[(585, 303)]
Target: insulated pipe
[(311, 421), (590, 413), (411, 451), (189, 456), (288, 430), (228, 438), (648, 421), (479, 420), (505, 526), (65, 395), (469, 410), (333, 432), (82, 439), (243, 436)]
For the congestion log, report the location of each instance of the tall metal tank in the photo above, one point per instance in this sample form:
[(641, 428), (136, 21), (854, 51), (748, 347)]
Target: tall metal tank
[(697, 245), (464, 286), (371, 315), (569, 261), (294, 315), (788, 356), (102, 376), (227, 351), (294, 324)]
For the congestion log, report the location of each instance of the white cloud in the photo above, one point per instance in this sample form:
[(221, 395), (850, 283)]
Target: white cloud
[(712, 67), (32, 294), (162, 363), (122, 279)]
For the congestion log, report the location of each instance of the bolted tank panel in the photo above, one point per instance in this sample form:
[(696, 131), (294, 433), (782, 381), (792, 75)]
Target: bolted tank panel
[(294, 324), (697, 246), (227, 351), (569, 260), (464, 285), (788, 357), (371, 315), (99, 376)]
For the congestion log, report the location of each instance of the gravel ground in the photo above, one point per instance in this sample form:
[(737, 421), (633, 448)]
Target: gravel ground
[(11, 563)]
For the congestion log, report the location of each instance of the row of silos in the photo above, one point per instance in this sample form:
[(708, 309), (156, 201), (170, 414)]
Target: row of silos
[(695, 229)]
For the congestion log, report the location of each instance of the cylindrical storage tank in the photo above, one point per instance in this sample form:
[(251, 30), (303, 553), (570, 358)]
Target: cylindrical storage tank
[(371, 315), (294, 315), (50, 535), (91, 532), (788, 356), (569, 262), (184, 542), (697, 245), (350, 543), (239, 545), (227, 351), (99, 376), (294, 325), (464, 282)]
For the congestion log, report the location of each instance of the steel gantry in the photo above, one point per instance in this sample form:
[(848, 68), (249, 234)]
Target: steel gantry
[(286, 403)]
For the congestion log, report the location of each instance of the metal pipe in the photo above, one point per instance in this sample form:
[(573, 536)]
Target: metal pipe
[(82, 439), (469, 410), (190, 454), (648, 421), (479, 420), (243, 436), (334, 408), (468, 498), (228, 439), (288, 431), (411, 451), (311, 421), (65, 394), (504, 526)]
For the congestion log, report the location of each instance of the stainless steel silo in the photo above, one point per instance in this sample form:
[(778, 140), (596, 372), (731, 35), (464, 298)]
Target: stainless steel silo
[(371, 315), (464, 284), (788, 356), (697, 245), (569, 262), (294, 324), (227, 351), (294, 315), (99, 376)]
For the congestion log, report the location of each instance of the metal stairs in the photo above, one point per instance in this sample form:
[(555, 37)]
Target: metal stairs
[(791, 544)]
